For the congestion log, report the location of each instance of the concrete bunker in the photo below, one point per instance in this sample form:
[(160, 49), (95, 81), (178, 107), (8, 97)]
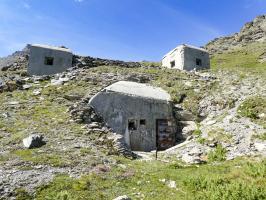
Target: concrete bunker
[(187, 57), (47, 60), (141, 113)]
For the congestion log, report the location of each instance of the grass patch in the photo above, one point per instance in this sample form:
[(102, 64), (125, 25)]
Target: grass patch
[(260, 136), (217, 188), (142, 180), (197, 132), (252, 108), (22, 194), (219, 135), (241, 60), (37, 158), (219, 154), (201, 140)]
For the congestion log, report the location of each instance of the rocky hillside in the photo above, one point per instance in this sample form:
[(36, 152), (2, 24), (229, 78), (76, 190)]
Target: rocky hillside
[(221, 114), (16, 60), (254, 31)]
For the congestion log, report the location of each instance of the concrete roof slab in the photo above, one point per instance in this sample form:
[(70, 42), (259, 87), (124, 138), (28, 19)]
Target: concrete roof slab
[(140, 90), (51, 47)]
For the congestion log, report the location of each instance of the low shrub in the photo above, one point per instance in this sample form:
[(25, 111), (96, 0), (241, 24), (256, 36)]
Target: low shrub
[(252, 107), (222, 188), (219, 154)]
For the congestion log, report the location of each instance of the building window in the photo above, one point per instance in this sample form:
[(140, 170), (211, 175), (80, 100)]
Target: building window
[(48, 60), (198, 62), (172, 64), (132, 125), (142, 122)]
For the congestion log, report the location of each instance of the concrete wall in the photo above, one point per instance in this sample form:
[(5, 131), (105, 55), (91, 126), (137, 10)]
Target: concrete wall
[(190, 59), (177, 56), (117, 108), (185, 58), (37, 66)]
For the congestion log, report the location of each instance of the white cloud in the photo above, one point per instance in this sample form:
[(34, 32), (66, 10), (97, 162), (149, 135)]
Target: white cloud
[(79, 1)]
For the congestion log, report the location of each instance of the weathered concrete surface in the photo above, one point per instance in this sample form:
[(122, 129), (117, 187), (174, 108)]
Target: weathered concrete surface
[(124, 101), (185, 57), (62, 59), (140, 90)]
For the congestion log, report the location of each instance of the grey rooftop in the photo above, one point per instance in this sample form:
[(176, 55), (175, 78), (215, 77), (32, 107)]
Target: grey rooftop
[(51, 47), (140, 90), (185, 46)]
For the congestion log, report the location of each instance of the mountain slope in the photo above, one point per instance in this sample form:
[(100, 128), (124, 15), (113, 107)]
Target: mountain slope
[(221, 114)]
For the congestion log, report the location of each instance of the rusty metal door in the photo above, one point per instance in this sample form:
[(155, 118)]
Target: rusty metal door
[(165, 137)]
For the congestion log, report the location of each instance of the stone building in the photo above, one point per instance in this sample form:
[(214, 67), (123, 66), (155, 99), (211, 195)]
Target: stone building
[(47, 60), (142, 114), (186, 57)]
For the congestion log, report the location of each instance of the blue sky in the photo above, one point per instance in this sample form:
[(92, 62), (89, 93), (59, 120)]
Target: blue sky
[(121, 29)]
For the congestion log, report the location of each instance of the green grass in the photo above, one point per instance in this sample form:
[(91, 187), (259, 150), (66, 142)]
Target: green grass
[(218, 154), (252, 108), (197, 132), (38, 157), (241, 60), (47, 115), (260, 136), (244, 179), (219, 135), (22, 194)]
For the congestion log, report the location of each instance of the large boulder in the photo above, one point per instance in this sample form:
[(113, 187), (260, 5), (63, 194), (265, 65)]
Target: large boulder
[(193, 156), (188, 128), (33, 141)]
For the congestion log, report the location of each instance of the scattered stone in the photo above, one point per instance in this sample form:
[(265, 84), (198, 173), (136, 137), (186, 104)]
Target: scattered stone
[(13, 103), (171, 184), (89, 62), (211, 122), (93, 125), (260, 146), (262, 115), (26, 87), (36, 92), (195, 151), (184, 115), (6, 115), (189, 128), (72, 97), (191, 159), (59, 81), (124, 197), (81, 112)]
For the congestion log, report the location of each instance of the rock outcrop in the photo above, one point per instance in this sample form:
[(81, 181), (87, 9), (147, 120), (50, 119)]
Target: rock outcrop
[(89, 62), (17, 60), (254, 31), (33, 141)]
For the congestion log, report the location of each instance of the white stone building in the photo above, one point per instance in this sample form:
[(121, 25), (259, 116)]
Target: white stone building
[(187, 57), (47, 60)]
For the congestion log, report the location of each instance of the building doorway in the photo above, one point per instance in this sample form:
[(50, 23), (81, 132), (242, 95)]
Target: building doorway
[(165, 137)]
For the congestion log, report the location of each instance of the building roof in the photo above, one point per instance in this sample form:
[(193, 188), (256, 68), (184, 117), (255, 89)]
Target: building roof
[(51, 47), (140, 90), (185, 46)]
